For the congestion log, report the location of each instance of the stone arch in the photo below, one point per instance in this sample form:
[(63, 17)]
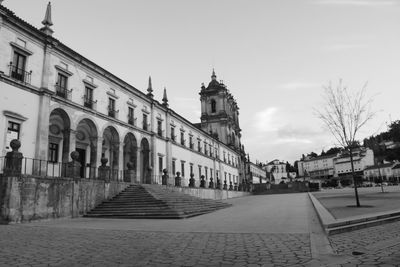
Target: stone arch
[(86, 136), (130, 157), (145, 167), (110, 149), (76, 121), (59, 136)]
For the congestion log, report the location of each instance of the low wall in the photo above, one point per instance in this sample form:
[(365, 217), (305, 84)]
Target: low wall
[(24, 199), (206, 193)]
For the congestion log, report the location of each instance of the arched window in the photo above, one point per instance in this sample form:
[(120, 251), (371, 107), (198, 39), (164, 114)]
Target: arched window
[(213, 106)]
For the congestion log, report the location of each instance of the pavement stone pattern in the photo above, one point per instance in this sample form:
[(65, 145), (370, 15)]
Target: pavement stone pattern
[(23, 245), (372, 246)]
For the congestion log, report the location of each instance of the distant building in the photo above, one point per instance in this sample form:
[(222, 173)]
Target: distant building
[(321, 167), (362, 158), (276, 170), (386, 172), (255, 173)]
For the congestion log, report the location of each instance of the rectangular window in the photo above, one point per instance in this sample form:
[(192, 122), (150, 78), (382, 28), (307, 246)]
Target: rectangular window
[(159, 127), (198, 146), (18, 67), (88, 99), (183, 169), (61, 85), (12, 133), (145, 122), (206, 172), (173, 167), (173, 134), (199, 171), (53, 152), (191, 142), (205, 148), (111, 107), (182, 138), (160, 164), (131, 119)]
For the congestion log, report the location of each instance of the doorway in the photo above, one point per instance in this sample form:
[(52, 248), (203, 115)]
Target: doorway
[(82, 161)]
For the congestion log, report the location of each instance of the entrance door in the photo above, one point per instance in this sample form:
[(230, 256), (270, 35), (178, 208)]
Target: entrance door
[(82, 161)]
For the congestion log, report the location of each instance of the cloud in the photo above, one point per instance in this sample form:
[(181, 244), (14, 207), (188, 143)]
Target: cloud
[(264, 120), (342, 47), (281, 141), (360, 3), (299, 85)]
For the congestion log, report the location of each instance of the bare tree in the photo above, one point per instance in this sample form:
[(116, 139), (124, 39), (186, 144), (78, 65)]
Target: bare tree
[(345, 113)]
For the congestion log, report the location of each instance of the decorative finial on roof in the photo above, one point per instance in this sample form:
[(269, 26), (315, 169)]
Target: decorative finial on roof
[(165, 99), (150, 89), (47, 21), (213, 76), (1, 1)]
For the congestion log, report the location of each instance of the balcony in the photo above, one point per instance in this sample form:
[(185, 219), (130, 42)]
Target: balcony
[(160, 132), (183, 141), (145, 126), (88, 102), (63, 92), (191, 145), (173, 137), (20, 74), (131, 120), (112, 112)]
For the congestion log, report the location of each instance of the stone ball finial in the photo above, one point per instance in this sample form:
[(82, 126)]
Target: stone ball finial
[(178, 174), (164, 171), (104, 161), (15, 144), (129, 165), (74, 155)]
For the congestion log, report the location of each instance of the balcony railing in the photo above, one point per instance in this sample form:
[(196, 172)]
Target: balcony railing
[(112, 112), (173, 137), (20, 74), (131, 120), (89, 102), (160, 132), (191, 145), (63, 92), (183, 141), (146, 126)]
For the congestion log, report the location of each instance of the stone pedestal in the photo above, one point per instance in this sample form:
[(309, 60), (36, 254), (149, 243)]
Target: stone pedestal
[(104, 171), (130, 176), (211, 184), (74, 167), (164, 177), (13, 164), (235, 187), (178, 179), (192, 180), (202, 182), (230, 185), (225, 185), (218, 183)]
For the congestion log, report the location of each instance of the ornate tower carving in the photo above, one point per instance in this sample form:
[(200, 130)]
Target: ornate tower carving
[(220, 113)]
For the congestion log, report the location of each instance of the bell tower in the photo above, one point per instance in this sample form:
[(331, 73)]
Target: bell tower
[(220, 113)]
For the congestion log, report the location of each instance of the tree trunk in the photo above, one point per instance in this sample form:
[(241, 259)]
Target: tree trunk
[(354, 178)]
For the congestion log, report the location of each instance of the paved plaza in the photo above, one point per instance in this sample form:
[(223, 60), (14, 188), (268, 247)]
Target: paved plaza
[(270, 230)]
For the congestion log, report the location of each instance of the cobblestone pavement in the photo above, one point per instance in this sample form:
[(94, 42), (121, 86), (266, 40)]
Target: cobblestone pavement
[(373, 246), (46, 246)]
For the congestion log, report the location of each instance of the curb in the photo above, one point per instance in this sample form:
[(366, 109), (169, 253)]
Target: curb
[(335, 226)]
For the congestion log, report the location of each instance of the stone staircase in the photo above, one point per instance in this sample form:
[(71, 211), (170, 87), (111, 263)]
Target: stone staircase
[(154, 202)]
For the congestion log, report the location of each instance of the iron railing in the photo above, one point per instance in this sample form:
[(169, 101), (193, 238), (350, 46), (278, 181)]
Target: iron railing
[(89, 102), (63, 92), (131, 120), (20, 74)]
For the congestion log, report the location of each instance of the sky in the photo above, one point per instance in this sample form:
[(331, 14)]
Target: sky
[(275, 56)]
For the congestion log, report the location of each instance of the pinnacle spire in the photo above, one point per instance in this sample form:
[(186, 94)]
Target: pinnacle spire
[(47, 21), (150, 89), (213, 76), (165, 99)]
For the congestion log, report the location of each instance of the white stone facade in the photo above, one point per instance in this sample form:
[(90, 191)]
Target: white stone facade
[(60, 102)]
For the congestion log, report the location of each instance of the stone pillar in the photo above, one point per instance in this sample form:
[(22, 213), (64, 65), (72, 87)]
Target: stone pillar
[(99, 152), (121, 166), (13, 159), (72, 143), (138, 166)]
